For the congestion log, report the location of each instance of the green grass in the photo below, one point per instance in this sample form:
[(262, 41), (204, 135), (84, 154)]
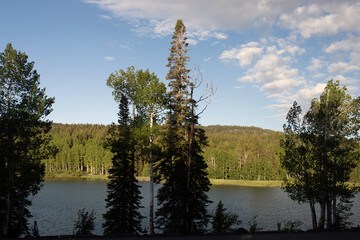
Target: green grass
[(215, 182), (246, 183)]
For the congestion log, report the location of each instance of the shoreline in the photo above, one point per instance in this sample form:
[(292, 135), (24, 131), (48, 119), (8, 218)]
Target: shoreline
[(215, 182)]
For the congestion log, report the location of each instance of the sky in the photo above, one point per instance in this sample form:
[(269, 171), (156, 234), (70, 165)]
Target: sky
[(260, 55)]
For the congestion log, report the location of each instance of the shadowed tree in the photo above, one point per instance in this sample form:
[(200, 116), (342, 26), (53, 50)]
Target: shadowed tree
[(321, 152), (148, 96), (123, 199), (223, 221), (182, 198), (24, 107)]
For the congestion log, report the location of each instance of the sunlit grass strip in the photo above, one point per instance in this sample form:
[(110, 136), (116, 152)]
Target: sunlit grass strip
[(224, 182), (246, 183)]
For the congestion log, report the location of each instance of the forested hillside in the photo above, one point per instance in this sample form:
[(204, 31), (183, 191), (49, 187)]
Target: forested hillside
[(233, 152), (243, 153)]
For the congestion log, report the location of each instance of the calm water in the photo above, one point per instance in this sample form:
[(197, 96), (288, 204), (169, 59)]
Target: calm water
[(55, 207)]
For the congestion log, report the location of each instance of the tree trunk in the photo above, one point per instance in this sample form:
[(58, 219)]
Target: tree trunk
[(133, 110), (313, 214), (151, 178), (7, 204), (329, 213), (334, 211), (322, 215)]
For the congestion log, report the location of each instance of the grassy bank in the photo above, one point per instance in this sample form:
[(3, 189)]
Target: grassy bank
[(216, 182), (246, 183)]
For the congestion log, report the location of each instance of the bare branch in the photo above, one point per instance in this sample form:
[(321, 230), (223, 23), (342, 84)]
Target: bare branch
[(208, 93)]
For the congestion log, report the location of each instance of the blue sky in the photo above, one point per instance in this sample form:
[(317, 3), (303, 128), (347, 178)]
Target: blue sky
[(261, 55)]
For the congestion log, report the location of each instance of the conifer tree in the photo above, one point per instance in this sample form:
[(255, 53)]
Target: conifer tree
[(182, 198), (24, 107), (123, 199)]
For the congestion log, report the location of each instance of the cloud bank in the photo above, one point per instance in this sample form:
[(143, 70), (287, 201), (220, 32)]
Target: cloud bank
[(283, 67)]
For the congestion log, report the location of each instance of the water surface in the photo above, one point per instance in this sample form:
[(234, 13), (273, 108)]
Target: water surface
[(55, 207)]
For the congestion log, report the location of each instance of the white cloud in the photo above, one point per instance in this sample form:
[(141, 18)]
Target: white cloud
[(207, 59), (288, 46), (351, 45), (281, 107), (319, 75), (210, 18), (192, 41), (271, 68), (269, 63), (303, 97), (109, 58), (342, 68), (246, 79), (203, 18), (315, 65), (105, 17), (345, 80), (245, 54), (221, 36), (323, 18), (310, 92)]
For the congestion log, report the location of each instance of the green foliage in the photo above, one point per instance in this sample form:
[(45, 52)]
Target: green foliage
[(148, 96), (24, 107), (321, 152), (243, 153), (232, 152), (289, 226), (182, 198), (85, 222), (223, 221), (123, 198), (253, 225), (78, 148)]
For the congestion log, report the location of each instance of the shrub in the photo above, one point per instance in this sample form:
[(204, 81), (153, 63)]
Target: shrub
[(223, 221), (85, 222)]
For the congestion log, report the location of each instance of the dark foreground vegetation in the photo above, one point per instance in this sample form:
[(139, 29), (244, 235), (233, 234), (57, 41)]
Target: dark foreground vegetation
[(158, 135), (283, 235)]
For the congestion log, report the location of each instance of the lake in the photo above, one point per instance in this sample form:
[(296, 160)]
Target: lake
[(56, 206)]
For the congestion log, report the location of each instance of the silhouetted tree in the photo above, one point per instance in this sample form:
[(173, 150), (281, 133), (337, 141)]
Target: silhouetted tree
[(123, 199), (24, 107), (85, 222), (223, 221)]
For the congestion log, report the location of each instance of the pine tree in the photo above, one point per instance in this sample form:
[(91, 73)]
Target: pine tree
[(24, 107), (182, 198), (123, 199)]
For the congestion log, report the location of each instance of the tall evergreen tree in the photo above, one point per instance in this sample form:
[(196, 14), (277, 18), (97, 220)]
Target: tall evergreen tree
[(182, 198), (24, 107), (123, 199)]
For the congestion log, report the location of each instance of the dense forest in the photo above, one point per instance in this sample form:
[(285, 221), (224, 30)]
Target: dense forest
[(233, 152)]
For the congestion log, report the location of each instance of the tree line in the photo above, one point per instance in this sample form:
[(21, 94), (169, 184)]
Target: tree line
[(233, 152)]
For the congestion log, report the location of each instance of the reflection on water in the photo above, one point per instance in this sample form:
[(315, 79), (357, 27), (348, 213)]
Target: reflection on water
[(55, 207)]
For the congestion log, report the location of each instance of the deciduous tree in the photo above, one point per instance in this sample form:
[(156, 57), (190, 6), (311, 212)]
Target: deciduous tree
[(321, 152)]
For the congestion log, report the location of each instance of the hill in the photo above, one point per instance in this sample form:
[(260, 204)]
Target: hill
[(233, 152)]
